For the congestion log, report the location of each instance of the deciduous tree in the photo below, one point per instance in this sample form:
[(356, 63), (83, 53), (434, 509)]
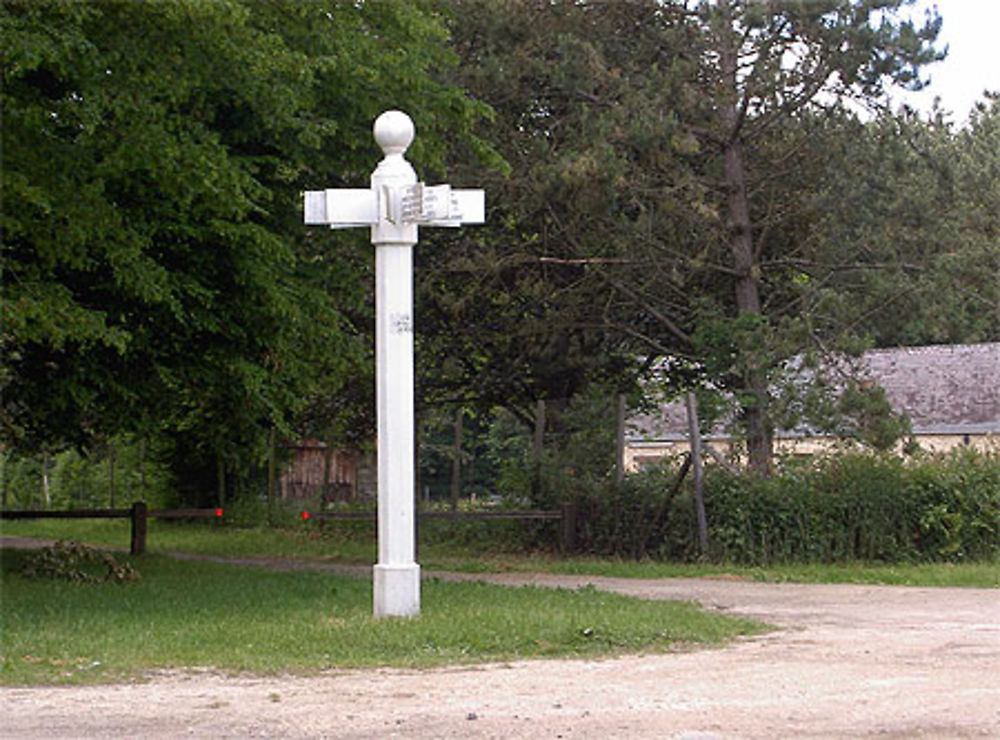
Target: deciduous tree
[(156, 272)]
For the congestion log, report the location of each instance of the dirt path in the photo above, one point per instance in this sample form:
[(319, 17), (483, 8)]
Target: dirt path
[(849, 661)]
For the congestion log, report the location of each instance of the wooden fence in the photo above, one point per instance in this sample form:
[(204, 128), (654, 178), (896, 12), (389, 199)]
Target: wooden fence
[(567, 516), (138, 514)]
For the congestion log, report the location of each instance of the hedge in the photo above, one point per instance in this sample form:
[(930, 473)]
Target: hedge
[(843, 508)]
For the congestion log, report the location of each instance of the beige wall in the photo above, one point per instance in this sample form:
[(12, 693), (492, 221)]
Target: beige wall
[(641, 454)]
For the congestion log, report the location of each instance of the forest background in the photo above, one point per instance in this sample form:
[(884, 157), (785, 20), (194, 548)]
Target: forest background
[(710, 188)]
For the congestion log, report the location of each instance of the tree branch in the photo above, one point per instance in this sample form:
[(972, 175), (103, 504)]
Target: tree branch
[(662, 318)]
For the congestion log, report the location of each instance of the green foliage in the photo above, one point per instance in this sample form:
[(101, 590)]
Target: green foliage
[(436, 454), (841, 509), (508, 447), (117, 473), (72, 561), (509, 312), (157, 276), (158, 280), (618, 203), (252, 511), (625, 520), (910, 201), (453, 538), (861, 508), (875, 422), (579, 450)]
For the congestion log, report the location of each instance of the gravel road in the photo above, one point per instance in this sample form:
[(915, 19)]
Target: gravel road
[(848, 661)]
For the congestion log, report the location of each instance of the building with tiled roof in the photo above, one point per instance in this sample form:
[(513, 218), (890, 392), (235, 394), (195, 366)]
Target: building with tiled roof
[(950, 393)]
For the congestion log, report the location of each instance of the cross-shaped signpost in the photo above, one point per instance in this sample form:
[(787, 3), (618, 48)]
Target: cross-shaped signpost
[(394, 206)]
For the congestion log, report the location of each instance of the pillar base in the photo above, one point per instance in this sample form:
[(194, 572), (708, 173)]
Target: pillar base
[(397, 590)]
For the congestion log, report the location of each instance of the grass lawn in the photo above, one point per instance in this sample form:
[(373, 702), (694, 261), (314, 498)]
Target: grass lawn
[(353, 542), (190, 614), (968, 575), (211, 538)]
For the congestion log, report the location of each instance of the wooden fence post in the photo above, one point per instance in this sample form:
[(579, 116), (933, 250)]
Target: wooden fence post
[(272, 473), (138, 544), (537, 449)]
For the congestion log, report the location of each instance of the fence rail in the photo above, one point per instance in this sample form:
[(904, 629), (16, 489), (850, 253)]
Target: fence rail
[(138, 514), (70, 514), (566, 515)]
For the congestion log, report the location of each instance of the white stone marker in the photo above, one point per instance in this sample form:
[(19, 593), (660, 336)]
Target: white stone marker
[(394, 206)]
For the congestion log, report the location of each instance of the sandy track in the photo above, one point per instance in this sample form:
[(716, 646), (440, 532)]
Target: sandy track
[(849, 661)]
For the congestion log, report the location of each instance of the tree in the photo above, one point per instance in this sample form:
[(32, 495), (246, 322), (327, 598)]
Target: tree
[(916, 196), (761, 65), (157, 277), (663, 155), (514, 312)]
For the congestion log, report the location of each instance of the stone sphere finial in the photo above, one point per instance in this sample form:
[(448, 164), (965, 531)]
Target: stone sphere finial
[(393, 131)]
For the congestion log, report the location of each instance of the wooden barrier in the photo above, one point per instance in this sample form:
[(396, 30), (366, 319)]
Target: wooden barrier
[(138, 514), (566, 515)]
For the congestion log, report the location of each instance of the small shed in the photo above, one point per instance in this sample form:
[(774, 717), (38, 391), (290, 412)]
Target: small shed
[(317, 471)]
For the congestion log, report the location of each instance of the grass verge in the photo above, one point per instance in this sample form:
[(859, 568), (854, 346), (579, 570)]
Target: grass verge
[(190, 614), (345, 543), (964, 575), (353, 542)]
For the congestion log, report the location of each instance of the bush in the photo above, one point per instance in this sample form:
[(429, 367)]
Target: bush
[(115, 474), (844, 508), (630, 520)]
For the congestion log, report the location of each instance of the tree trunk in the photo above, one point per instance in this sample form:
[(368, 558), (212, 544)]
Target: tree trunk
[(142, 470), (220, 471), (111, 473), (537, 449), (759, 439), (456, 461), (327, 465), (45, 495), (694, 432)]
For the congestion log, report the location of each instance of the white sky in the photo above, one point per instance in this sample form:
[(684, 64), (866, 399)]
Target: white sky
[(971, 30)]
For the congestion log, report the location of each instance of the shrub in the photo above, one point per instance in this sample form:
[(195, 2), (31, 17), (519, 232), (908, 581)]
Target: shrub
[(860, 507), (116, 473), (842, 508)]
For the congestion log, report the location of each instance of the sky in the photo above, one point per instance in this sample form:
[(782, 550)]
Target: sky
[(971, 30)]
